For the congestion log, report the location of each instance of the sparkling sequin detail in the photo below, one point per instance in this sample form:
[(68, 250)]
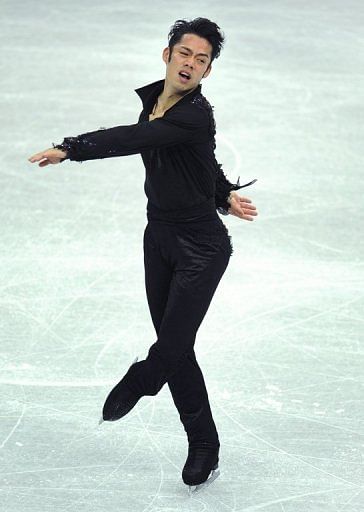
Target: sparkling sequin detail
[(200, 101), (72, 145)]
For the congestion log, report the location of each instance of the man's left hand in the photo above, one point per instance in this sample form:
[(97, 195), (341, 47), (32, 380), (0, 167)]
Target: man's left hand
[(241, 207)]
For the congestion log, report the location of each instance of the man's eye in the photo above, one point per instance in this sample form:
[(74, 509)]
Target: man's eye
[(184, 53), (202, 61)]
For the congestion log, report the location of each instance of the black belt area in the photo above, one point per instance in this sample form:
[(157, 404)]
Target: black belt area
[(196, 213)]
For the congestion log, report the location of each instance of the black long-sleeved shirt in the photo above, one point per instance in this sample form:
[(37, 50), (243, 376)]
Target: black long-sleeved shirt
[(178, 151)]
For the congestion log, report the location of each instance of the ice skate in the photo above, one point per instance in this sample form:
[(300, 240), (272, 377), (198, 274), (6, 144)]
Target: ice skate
[(201, 467), (215, 472), (120, 400)]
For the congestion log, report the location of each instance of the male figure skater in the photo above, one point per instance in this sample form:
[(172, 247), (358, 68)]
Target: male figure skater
[(186, 245)]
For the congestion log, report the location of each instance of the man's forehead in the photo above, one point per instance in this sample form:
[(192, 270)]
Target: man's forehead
[(196, 43)]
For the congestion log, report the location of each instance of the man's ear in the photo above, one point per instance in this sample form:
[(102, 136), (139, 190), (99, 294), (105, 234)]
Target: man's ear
[(165, 55), (207, 72)]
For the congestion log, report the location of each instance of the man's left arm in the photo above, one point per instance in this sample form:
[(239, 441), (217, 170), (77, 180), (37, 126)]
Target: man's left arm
[(227, 201)]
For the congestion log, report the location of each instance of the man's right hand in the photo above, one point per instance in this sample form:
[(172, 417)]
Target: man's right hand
[(48, 156)]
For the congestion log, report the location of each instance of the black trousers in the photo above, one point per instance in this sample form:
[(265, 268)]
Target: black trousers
[(185, 255)]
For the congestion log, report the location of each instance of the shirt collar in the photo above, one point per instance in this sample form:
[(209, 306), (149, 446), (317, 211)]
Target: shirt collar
[(149, 92)]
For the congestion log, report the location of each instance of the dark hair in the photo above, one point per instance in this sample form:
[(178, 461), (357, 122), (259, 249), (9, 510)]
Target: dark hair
[(201, 27)]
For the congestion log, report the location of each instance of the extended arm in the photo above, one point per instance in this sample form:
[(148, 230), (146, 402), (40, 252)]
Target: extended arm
[(174, 128), (131, 139)]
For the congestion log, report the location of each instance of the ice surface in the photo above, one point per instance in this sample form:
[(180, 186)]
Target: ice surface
[(281, 346)]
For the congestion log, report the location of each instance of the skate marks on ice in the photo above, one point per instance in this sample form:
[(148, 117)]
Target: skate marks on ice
[(277, 449), (102, 484)]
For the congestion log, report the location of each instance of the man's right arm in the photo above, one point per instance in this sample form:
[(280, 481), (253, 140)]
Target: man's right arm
[(177, 127)]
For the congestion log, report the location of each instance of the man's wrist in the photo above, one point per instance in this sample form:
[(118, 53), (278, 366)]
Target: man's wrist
[(63, 148)]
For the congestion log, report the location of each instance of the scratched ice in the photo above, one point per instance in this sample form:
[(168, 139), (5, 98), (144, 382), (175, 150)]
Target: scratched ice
[(281, 346)]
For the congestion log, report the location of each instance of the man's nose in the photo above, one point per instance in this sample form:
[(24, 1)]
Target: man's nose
[(189, 62)]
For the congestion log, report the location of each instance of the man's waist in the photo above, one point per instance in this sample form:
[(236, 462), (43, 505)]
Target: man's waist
[(198, 212)]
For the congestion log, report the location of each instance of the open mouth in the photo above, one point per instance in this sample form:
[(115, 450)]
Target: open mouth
[(184, 76)]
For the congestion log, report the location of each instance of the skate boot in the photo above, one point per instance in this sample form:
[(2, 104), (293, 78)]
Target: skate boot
[(201, 467), (144, 378), (121, 398)]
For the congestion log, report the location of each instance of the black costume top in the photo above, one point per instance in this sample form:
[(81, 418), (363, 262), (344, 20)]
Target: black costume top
[(177, 151)]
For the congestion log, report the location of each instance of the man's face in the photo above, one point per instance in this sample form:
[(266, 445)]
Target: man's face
[(188, 63)]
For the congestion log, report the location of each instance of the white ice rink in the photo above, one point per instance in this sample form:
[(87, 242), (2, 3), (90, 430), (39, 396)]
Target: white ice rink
[(281, 346)]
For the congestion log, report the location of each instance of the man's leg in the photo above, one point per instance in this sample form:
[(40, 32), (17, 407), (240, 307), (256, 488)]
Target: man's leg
[(189, 393), (187, 385)]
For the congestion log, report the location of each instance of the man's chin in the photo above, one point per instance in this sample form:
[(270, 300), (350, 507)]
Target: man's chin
[(184, 88), (180, 87)]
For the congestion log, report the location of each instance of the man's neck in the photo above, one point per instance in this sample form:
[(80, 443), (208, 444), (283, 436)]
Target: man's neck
[(170, 96)]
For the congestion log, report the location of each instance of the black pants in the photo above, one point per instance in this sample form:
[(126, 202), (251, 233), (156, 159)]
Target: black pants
[(184, 260)]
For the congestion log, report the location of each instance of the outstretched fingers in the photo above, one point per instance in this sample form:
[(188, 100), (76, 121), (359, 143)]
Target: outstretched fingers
[(37, 157), (249, 207), (243, 208), (41, 157), (248, 210), (48, 156)]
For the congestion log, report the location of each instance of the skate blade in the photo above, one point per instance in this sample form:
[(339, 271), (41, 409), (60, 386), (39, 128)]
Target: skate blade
[(193, 489), (101, 420)]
